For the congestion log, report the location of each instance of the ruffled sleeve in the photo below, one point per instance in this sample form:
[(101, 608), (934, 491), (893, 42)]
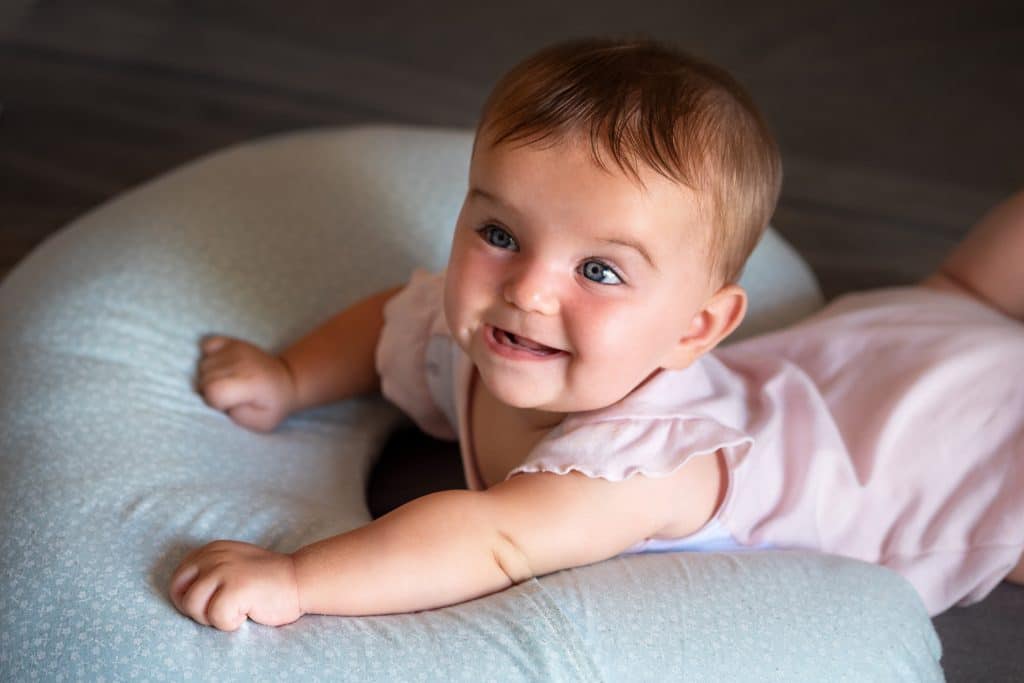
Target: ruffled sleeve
[(670, 418), (618, 448), (414, 355)]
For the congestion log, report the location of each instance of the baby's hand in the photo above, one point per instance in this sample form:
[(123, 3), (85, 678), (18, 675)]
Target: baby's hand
[(224, 582), (253, 387)]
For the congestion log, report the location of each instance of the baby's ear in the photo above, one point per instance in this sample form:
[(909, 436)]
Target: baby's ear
[(722, 314)]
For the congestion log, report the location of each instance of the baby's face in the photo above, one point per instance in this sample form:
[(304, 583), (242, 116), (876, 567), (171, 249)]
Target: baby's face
[(551, 248)]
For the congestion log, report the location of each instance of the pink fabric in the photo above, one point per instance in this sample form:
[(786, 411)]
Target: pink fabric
[(888, 427)]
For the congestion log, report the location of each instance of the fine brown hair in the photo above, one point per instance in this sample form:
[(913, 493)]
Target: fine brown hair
[(643, 100)]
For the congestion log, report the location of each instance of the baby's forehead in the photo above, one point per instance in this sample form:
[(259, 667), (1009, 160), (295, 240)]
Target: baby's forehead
[(494, 166), (598, 154)]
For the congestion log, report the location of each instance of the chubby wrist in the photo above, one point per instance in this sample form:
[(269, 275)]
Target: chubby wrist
[(314, 573), (294, 565), (293, 401)]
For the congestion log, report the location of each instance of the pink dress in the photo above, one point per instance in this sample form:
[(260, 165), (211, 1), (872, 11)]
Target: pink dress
[(887, 427)]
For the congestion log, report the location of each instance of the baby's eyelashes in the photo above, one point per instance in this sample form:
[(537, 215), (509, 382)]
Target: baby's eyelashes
[(504, 239)]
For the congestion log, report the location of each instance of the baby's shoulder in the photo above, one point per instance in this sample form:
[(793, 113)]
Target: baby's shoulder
[(415, 357), (421, 300), (647, 434)]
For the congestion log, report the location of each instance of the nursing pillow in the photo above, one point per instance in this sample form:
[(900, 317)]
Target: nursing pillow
[(112, 468)]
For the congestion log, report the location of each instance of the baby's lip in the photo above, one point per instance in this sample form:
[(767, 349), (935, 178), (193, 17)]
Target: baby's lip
[(523, 337)]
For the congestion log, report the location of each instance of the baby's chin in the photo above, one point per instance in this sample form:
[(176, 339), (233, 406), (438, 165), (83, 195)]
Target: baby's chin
[(524, 396)]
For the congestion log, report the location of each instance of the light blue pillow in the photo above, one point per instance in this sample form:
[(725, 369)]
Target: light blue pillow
[(111, 466)]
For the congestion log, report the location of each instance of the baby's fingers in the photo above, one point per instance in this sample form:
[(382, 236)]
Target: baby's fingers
[(225, 610), (225, 393), (182, 578), (214, 343), (216, 361), (196, 600), (254, 417)]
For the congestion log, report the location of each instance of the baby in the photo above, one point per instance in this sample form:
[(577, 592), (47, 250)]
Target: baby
[(616, 189)]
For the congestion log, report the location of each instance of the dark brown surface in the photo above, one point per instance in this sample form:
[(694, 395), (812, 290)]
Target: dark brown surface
[(899, 124)]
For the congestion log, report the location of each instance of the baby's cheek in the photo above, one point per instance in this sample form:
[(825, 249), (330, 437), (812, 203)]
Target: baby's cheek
[(607, 341), (614, 361)]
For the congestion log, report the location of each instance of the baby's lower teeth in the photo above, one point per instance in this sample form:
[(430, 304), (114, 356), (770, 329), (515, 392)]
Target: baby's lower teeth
[(512, 338)]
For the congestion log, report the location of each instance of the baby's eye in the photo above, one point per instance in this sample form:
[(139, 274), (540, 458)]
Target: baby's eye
[(596, 271), (496, 236)]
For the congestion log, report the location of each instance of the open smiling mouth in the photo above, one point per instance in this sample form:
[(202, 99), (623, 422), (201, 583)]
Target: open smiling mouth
[(508, 343)]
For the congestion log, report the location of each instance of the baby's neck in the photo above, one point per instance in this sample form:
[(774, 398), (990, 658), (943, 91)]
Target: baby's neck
[(534, 420), (537, 420), (528, 419)]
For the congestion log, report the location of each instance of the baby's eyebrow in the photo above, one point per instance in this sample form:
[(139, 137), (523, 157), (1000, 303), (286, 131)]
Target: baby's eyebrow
[(475, 192), (627, 242)]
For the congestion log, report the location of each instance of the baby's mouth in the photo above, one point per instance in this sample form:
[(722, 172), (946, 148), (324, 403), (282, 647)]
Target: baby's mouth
[(508, 339)]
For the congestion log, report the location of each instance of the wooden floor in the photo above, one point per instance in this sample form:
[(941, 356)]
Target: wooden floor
[(899, 124)]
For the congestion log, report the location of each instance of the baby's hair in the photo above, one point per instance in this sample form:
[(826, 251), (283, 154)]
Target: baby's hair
[(640, 99)]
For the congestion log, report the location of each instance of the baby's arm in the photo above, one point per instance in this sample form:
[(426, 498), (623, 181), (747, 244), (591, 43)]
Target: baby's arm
[(336, 360), (447, 547), (333, 362)]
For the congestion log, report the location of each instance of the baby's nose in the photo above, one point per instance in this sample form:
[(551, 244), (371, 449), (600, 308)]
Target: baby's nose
[(534, 290)]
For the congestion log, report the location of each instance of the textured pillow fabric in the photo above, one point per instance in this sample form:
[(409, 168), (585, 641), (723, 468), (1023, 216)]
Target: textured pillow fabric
[(112, 467)]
